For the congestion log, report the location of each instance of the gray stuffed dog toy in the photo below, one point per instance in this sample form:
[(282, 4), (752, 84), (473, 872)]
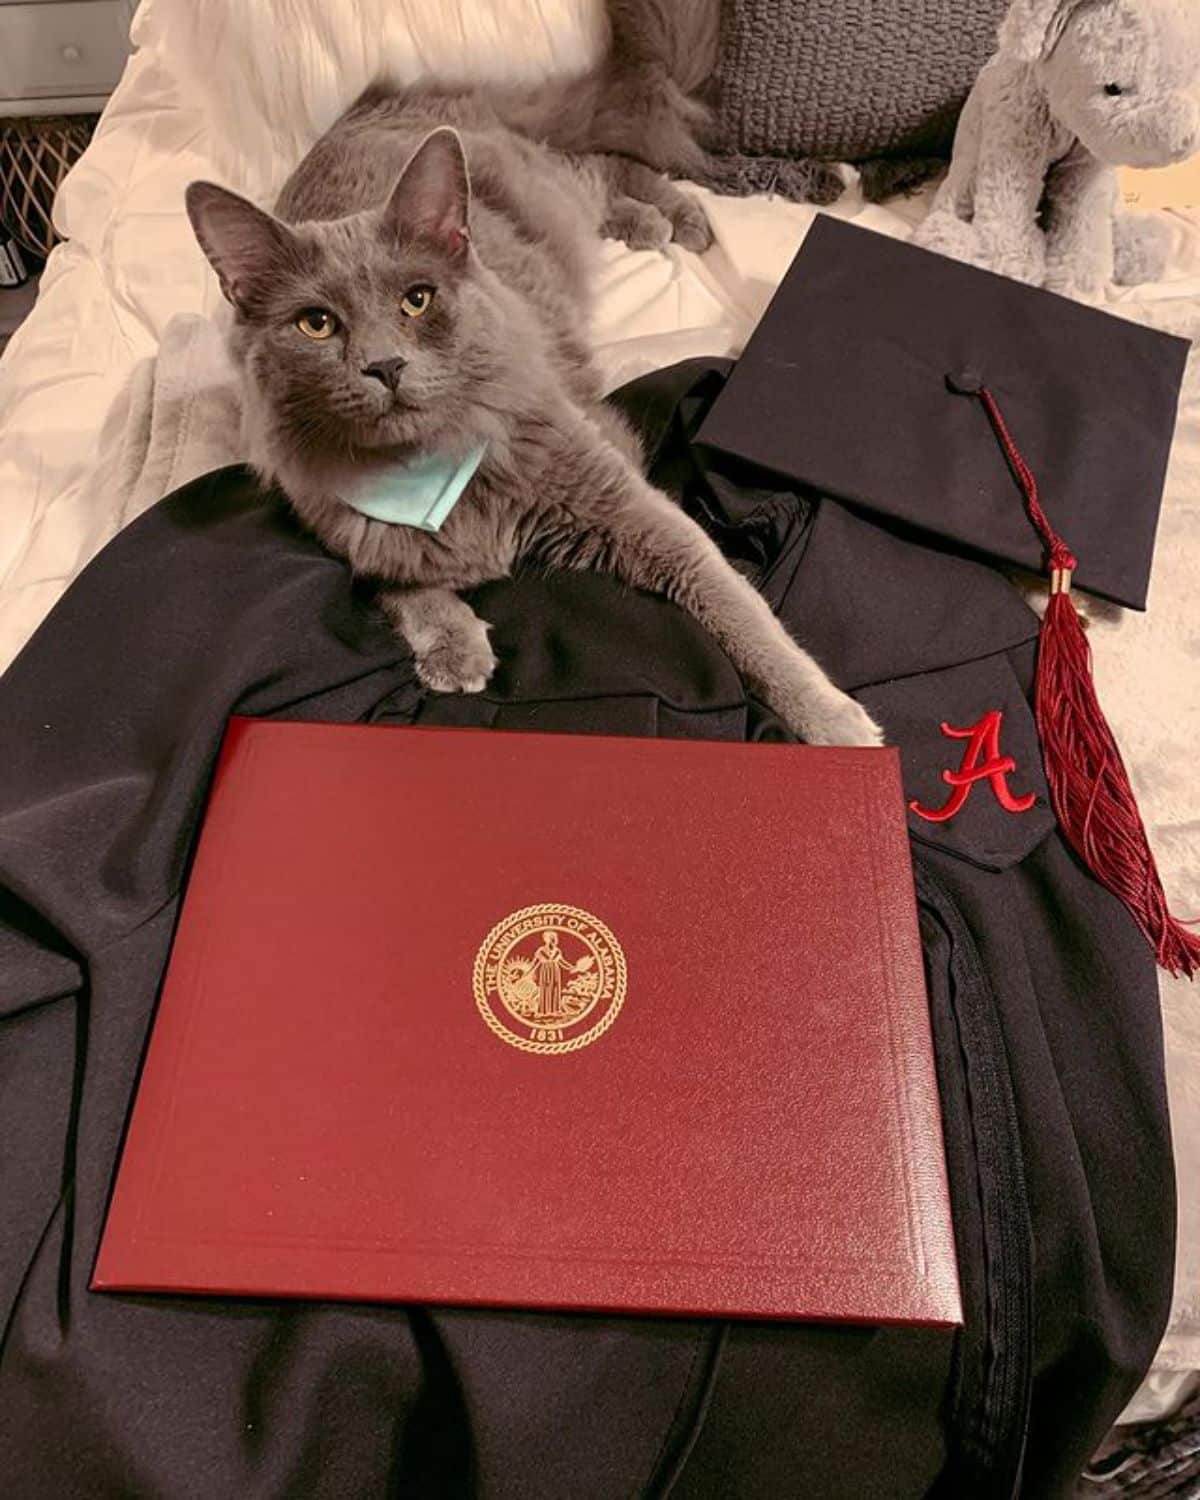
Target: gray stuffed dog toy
[(1076, 89)]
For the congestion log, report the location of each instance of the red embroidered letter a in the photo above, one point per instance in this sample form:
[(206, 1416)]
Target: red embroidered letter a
[(981, 759)]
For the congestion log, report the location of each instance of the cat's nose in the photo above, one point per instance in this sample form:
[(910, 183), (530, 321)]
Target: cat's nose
[(387, 370)]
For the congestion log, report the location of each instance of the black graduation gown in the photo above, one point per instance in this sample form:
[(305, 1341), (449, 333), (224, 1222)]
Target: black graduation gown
[(1043, 997)]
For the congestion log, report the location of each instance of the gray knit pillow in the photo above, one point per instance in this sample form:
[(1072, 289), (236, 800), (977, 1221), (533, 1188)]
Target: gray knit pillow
[(847, 79)]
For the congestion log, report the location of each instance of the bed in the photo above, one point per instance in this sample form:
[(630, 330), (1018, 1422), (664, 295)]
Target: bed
[(115, 391)]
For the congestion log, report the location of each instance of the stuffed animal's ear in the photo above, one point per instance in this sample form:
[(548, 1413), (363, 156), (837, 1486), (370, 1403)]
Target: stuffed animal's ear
[(433, 195), (246, 247), (1031, 29)]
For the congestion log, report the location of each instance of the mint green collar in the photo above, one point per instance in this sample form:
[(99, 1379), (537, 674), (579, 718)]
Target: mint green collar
[(422, 493)]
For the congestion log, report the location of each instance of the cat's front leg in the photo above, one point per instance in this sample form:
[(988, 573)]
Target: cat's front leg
[(649, 542), (647, 210), (448, 639)]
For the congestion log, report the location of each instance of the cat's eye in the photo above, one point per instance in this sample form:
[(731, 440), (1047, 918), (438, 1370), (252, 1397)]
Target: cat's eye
[(317, 323), (416, 301), (1113, 90)]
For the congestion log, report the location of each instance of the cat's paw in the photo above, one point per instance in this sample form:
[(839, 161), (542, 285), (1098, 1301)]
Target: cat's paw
[(640, 225), (691, 226), (838, 720), (456, 660)]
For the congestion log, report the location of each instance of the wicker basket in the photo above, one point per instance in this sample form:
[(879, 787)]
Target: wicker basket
[(35, 156)]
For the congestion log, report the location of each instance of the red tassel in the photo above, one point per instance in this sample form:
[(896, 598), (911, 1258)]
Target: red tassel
[(1089, 785)]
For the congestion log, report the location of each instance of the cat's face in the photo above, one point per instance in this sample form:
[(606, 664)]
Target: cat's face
[(361, 333)]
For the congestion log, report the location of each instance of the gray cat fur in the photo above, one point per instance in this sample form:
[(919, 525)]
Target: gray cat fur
[(501, 358), (662, 65)]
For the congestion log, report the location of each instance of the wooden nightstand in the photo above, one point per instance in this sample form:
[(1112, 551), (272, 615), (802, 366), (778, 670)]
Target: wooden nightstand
[(61, 57)]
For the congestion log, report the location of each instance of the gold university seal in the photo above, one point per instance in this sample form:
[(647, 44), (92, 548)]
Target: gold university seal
[(549, 979)]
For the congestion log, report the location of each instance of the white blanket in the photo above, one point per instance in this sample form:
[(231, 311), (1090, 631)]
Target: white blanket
[(116, 391)]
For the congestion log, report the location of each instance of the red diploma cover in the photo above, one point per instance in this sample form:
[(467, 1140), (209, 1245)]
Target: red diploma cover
[(460, 1016)]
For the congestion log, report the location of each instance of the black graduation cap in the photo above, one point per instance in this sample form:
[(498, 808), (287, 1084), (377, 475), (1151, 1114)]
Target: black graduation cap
[(856, 380), (1010, 421)]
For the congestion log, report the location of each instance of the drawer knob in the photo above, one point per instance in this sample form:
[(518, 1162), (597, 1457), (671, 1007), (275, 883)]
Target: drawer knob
[(71, 53)]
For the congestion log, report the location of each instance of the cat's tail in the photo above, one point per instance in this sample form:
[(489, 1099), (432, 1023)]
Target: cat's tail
[(638, 101), (678, 39)]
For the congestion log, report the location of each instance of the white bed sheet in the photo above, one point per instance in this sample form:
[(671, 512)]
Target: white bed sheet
[(131, 266)]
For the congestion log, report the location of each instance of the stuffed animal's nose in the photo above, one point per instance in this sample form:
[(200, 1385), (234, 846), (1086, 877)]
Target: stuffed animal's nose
[(386, 370)]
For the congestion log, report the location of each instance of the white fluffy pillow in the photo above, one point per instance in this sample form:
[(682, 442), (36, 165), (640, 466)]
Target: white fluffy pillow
[(271, 75)]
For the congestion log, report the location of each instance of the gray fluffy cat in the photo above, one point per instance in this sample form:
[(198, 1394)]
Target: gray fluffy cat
[(396, 310)]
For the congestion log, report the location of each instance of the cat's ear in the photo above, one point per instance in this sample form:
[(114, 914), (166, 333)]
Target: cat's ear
[(433, 197), (246, 247)]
